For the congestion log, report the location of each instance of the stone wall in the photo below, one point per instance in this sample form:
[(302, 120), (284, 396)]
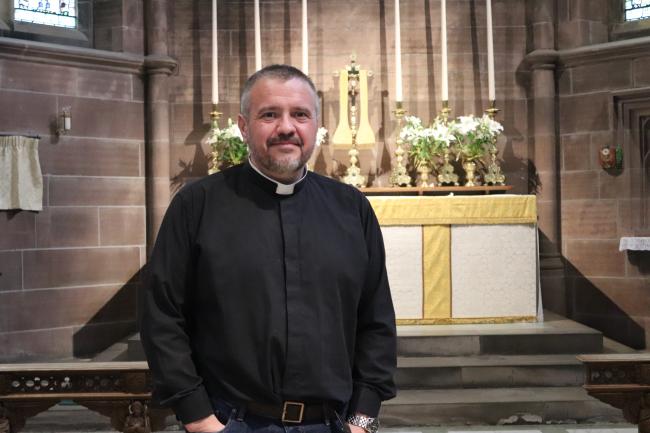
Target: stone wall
[(337, 29), (607, 289), (69, 274)]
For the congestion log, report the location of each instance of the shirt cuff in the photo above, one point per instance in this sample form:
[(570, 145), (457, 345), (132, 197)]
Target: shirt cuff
[(365, 401), (194, 406)]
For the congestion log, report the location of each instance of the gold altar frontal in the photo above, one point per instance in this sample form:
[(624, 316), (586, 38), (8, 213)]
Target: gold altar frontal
[(461, 259)]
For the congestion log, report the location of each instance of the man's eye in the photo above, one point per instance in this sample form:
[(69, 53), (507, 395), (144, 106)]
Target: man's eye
[(301, 115), (268, 115)]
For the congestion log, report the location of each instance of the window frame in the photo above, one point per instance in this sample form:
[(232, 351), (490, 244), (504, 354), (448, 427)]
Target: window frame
[(621, 29), (79, 36)]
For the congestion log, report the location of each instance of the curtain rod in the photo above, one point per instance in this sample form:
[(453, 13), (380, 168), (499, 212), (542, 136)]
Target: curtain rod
[(10, 134)]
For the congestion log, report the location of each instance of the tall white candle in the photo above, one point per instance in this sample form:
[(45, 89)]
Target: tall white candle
[(258, 37), (398, 55), (490, 52), (305, 39), (443, 43), (215, 58)]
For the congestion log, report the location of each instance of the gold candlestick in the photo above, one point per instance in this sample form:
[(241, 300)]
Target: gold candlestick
[(494, 174), (446, 174), (213, 140), (353, 173), (399, 176)]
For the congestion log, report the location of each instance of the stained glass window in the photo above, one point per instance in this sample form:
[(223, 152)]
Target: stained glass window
[(59, 13), (637, 10)]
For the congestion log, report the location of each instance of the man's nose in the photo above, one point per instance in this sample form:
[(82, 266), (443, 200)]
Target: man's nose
[(286, 126)]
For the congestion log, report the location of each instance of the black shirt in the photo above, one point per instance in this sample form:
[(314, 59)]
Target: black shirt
[(255, 296)]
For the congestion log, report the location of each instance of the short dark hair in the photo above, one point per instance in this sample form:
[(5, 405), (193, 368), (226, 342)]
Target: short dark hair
[(278, 72)]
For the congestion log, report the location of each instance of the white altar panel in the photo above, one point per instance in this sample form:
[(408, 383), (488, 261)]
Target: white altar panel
[(404, 267), (493, 270)]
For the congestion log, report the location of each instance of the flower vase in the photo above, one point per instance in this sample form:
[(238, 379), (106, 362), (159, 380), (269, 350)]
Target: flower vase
[(470, 169)]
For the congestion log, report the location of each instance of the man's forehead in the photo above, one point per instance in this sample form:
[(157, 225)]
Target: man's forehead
[(265, 89)]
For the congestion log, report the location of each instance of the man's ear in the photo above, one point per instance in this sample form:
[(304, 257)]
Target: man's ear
[(243, 126)]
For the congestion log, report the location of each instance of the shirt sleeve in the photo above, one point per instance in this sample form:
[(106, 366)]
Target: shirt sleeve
[(163, 326), (375, 350)]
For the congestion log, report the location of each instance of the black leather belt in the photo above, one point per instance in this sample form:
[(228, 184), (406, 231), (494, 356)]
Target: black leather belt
[(294, 412)]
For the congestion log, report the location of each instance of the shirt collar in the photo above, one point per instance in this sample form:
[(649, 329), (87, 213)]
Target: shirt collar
[(280, 188)]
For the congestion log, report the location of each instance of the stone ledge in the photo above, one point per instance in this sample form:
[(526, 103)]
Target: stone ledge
[(53, 54)]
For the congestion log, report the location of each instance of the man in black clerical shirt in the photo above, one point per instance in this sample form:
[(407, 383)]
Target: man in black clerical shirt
[(266, 303)]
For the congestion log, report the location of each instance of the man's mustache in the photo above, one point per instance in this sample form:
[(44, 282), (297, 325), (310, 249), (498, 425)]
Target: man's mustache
[(284, 139)]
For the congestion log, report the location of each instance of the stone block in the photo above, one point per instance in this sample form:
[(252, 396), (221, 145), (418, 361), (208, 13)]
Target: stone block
[(630, 216), (575, 152), (28, 113), (641, 68), (589, 219), (34, 77), (98, 118), (11, 271), (595, 258), (17, 230), (76, 267), (584, 113), (122, 226), (90, 157), (67, 227), (546, 186), (579, 185), (589, 10), (573, 34), (103, 85), (620, 185), (598, 32), (544, 35), (39, 345), (67, 307), (602, 76), (96, 191)]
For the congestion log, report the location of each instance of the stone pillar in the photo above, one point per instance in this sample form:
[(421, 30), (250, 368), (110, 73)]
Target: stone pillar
[(158, 68), (545, 154)]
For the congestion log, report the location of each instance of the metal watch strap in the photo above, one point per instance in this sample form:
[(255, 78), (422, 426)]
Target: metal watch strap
[(371, 425)]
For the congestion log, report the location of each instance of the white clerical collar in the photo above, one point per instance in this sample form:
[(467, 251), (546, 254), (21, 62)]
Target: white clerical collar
[(281, 188)]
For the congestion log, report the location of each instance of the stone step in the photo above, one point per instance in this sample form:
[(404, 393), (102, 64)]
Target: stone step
[(554, 335), (493, 371), (494, 406)]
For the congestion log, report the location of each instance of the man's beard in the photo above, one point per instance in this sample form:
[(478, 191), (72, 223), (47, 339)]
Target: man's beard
[(283, 165)]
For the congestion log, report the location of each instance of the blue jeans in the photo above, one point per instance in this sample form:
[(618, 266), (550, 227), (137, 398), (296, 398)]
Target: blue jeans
[(256, 424)]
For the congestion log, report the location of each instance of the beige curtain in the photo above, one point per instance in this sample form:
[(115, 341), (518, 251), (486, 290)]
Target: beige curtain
[(21, 181)]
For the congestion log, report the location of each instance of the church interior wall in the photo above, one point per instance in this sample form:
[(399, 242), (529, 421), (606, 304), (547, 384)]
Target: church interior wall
[(607, 289), (69, 274)]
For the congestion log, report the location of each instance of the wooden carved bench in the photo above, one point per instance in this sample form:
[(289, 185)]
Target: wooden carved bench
[(118, 390), (623, 381)]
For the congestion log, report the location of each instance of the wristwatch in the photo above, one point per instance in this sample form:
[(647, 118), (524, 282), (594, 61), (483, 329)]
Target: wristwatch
[(371, 425)]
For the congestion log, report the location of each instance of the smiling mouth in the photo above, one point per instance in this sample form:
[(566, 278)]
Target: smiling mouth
[(284, 143)]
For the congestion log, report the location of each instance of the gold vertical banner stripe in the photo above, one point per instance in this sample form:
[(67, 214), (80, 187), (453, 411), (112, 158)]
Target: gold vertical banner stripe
[(436, 269)]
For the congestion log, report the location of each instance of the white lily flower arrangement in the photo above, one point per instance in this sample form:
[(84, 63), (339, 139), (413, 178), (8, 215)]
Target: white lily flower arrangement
[(473, 134), (425, 143), (229, 143)]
